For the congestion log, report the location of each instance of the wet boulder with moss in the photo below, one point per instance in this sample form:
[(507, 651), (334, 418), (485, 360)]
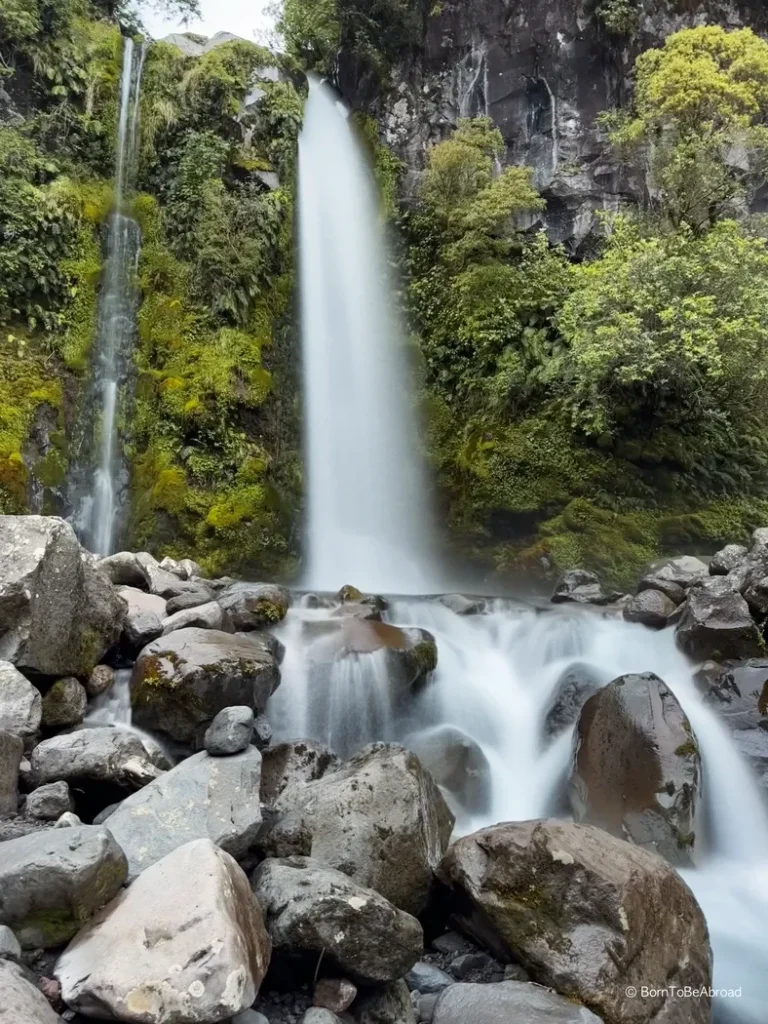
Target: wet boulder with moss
[(251, 606)]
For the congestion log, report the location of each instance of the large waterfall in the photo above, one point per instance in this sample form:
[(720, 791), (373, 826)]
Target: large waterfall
[(367, 520), (100, 478)]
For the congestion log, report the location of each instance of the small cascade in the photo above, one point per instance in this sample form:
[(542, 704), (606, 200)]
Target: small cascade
[(100, 477), (366, 517)]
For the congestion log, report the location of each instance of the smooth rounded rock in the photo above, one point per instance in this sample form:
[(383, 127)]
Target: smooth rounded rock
[(334, 994), (100, 680), (49, 802), (229, 732)]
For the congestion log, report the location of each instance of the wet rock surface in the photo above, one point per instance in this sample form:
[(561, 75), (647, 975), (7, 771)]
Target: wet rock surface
[(717, 623)]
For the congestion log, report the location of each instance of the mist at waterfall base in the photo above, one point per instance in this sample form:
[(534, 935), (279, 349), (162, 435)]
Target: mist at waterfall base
[(100, 475)]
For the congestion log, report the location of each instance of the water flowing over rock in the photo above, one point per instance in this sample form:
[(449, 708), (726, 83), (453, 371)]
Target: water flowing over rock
[(181, 681), (312, 911), (21, 706), (52, 882), (20, 1001), (457, 764), (379, 818), (570, 695), (185, 943), (212, 797), (58, 615), (637, 769), (507, 1001), (585, 913)]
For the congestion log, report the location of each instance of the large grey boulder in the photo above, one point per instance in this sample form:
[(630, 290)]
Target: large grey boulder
[(11, 750), (380, 819), (21, 706), (211, 797), (505, 1002), (65, 704), (181, 681), (58, 614), (716, 622), (728, 559), (230, 731), (124, 569), (294, 763), (636, 768), (579, 586), (587, 914), (254, 605), (49, 802), (312, 911), (650, 608), (102, 754), (185, 943), (20, 1001), (53, 881), (202, 616)]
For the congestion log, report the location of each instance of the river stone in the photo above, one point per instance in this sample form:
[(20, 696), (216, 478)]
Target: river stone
[(64, 704), (637, 769), (49, 802), (213, 797), (262, 732), (312, 911), (181, 681), (53, 881), (668, 588), (379, 818), (165, 584), (124, 569), (507, 1001), (99, 681), (68, 820), (580, 587), (427, 978), (11, 750), (102, 754), (650, 608), (573, 689), (252, 606), (21, 706), (357, 610), (58, 614), (457, 764), (190, 599), (389, 1005), (203, 616), (294, 763), (728, 559), (20, 1001), (585, 913), (716, 622), (334, 994), (229, 732), (185, 943)]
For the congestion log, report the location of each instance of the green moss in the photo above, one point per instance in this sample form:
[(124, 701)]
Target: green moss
[(687, 749), (49, 928)]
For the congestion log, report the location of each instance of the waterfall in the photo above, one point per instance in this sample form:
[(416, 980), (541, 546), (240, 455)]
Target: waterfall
[(366, 518), (100, 476), (494, 683)]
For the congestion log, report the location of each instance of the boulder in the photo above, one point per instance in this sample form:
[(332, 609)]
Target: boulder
[(254, 605), (318, 1015), (9, 945), (229, 732), (203, 616), (185, 943), (334, 994), (637, 768), (294, 763), (312, 912), (20, 1001), (11, 750), (189, 569), (683, 571), (650, 608), (262, 732), (124, 569), (674, 591), (189, 599), (53, 881), (21, 706), (166, 584), (457, 764), (181, 681), (507, 1001), (64, 705), (49, 802), (139, 601), (591, 916), (427, 978), (211, 797), (580, 587), (102, 754), (58, 614), (573, 689), (728, 559), (68, 820), (389, 1005), (99, 681), (379, 818), (716, 622)]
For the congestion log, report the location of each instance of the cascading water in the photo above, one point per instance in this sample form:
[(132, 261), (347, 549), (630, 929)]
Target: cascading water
[(100, 474), (366, 508)]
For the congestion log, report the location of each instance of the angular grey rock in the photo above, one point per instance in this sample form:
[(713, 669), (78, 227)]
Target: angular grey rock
[(186, 942), (189, 599), (212, 797), (294, 763), (181, 681), (99, 681), (262, 732), (728, 559), (229, 732), (9, 945), (669, 588), (684, 571), (124, 569), (20, 1001), (141, 628), (427, 978), (426, 1007), (254, 605), (312, 911), (585, 912), (139, 601), (64, 705), (716, 622), (390, 1005), (11, 750), (58, 615), (188, 569), (203, 616), (580, 587), (53, 881), (49, 802), (507, 1001), (380, 818), (100, 754), (21, 706), (334, 994), (650, 608)]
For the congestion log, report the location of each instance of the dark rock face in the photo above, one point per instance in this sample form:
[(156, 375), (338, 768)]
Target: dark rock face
[(294, 763), (569, 697), (636, 768), (717, 623), (585, 913)]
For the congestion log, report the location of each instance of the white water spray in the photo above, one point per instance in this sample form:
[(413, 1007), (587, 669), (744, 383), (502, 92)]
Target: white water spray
[(367, 521)]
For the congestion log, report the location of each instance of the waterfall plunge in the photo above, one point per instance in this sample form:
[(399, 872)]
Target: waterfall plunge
[(367, 522)]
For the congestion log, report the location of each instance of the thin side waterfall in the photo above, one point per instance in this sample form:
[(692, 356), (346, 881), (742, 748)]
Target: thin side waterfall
[(367, 521), (100, 479)]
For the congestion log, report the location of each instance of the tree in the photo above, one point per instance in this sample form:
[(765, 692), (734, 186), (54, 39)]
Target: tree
[(700, 107)]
